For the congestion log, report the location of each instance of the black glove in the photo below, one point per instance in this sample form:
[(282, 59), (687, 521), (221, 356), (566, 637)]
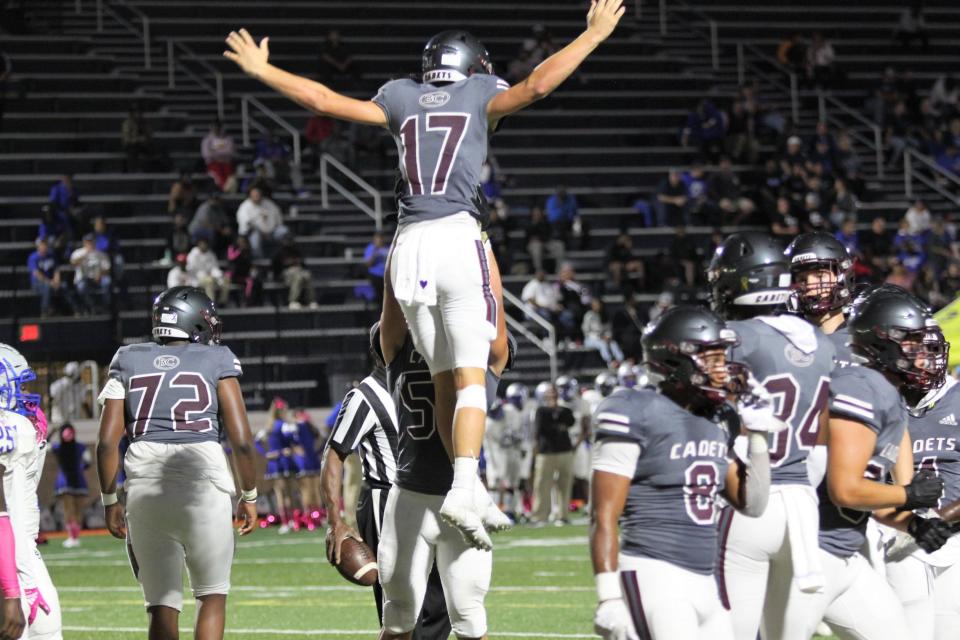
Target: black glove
[(929, 533), (924, 491)]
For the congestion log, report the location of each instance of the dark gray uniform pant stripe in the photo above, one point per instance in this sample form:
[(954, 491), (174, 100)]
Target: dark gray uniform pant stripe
[(726, 520), (631, 591)]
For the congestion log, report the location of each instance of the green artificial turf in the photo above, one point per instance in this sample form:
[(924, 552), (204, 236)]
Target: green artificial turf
[(283, 587)]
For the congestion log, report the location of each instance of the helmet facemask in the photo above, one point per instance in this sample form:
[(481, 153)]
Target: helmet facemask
[(903, 351), (13, 396), (821, 286), (701, 373)]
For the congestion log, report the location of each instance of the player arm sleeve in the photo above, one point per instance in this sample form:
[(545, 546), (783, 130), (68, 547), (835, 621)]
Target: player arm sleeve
[(616, 455), (229, 365), (383, 100), (619, 419), (116, 387), (850, 398), (755, 475)]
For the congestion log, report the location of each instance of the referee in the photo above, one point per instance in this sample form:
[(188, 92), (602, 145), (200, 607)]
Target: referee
[(367, 425)]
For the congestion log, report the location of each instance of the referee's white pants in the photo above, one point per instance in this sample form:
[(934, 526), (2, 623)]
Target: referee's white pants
[(668, 602), (756, 572), (930, 596)]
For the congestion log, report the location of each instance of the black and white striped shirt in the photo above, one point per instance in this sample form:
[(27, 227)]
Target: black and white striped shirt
[(367, 424)]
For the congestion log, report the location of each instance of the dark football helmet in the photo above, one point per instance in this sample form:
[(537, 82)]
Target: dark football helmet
[(891, 330), (819, 251), (748, 276), (451, 56), (673, 348), (185, 313), (605, 383)]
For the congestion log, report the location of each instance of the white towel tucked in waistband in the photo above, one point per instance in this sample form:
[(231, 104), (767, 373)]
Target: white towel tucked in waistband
[(414, 262), (803, 525)]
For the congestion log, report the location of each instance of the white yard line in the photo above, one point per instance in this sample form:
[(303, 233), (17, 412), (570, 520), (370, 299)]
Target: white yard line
[(334, 632)]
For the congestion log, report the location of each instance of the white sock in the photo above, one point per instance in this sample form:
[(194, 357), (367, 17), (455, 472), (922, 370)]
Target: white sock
[(465, 473)]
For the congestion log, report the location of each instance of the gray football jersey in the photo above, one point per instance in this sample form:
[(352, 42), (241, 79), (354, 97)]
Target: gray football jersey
[(171, 391), (800, 385), (441, 134), (670, 512), (935, 432), (422, 463), (863, 395), (841, 343)]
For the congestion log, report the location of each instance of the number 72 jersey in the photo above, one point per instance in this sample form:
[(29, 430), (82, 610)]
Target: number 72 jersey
[(170, 392), (441, 134)]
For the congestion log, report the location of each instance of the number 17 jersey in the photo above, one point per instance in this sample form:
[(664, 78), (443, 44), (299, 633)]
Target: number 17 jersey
[(170, 392), (441, 133)]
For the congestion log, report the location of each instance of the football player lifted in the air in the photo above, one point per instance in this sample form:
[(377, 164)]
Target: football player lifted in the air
[(441, 272)]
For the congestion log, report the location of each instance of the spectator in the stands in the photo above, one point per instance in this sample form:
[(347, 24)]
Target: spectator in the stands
[(877, 245), (218, 153), (498, 229), (792, 52), (950, 282), (337, 65), (107, 243), (54, 227), (44, 274), (541, 236), (64, 198), (136, 137), (909, 248), (522, 66), (726, 192), (288, 265), (705, 129), (772, 121), (945, 95), (949, 160), (183, 195), (211, 222), (743, 142), (664, 302), (561, 208), (843, 202), (543, 296), (684, 255), (598, 334), (91, 275), (820, 61), (912, 26), (202, 265), (575, 298), (320, 134), (699, 209), (671, 200), (918, 218), (259, 218), (899, 134), (178, 276), (375, 259), (793, 156), (244, 273), (847, 236), (179, 240), (274, 156), (784, 222), (941, 246), (626, 270), (900, 275), (848, 163)]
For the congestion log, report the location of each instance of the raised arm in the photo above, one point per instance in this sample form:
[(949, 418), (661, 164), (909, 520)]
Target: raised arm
[(234, 415), (550, 74), (309, 94)]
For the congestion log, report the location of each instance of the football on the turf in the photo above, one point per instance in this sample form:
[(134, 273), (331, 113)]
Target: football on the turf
[(357, 562)]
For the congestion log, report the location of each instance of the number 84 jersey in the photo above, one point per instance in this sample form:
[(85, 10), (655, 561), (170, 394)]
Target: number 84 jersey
[(681, 466), (170, 392)]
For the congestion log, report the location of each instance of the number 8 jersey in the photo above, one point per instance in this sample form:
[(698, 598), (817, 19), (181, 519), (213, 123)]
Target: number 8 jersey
[(170, 392), (681, 466), (441, 133)]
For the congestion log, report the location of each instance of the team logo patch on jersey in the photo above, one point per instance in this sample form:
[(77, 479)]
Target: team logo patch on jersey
[(168, 318), (796, 357), (166, 363), (434, 100)]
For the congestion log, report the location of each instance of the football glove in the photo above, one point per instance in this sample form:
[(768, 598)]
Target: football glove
[(923, 491), (612, 621), (36, 602), (756, 409), (929, 533)]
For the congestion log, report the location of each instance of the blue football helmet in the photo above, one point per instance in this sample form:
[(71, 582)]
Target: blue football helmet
[(15, 372)]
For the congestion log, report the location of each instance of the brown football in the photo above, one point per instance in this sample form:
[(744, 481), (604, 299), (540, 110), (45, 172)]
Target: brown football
[(357, 562)]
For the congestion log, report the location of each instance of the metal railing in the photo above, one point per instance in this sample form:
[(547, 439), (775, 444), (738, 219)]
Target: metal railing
[(175, 61), (327, 182), (876, 143), (939, 175), (791, 86), (713, 28), (143, 32), (548, 344), (245, 101)]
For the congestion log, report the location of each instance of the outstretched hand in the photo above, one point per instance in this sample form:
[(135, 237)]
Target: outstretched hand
[(250, 57), (603, 17)]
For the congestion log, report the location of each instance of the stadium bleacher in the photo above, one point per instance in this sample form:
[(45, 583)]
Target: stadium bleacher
[(609, 135)]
